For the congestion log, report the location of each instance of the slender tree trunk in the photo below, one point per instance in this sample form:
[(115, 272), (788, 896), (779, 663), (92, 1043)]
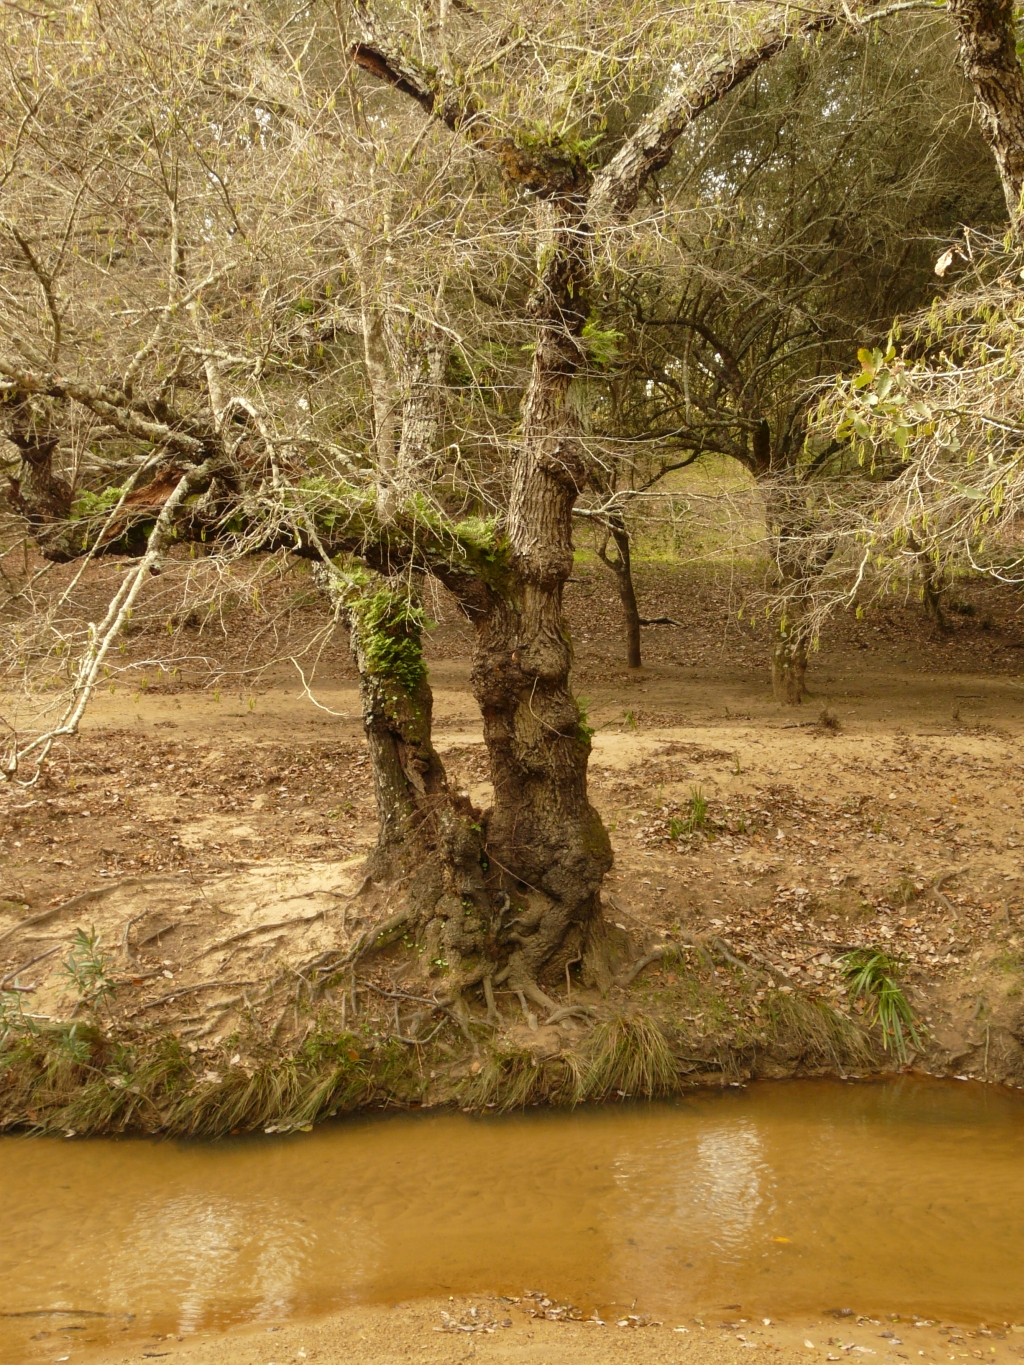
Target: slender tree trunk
[(409, 779), (799, 559), (622, 568), (789, 660), (987, 38)]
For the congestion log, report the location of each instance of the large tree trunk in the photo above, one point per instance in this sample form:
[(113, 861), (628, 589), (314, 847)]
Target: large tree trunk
[(544, 835), (987, 38)]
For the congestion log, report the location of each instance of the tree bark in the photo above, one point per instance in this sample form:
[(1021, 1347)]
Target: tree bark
[(987, 39), (546, 837)]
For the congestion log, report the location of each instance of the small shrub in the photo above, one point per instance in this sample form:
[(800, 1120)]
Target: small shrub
[(88, 968), (872, 975)]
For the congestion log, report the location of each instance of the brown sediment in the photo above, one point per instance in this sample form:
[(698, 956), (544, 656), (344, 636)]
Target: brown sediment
[(375, 1335)]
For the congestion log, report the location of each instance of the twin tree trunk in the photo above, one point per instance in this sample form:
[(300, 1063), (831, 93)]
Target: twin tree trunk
[(511, 898), (545, 851)]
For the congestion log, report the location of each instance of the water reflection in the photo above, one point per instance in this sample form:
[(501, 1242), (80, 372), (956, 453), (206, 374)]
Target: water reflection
[(727, 1184)]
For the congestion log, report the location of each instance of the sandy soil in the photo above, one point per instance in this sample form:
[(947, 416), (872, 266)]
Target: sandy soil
[(433, 1332), (213, 837)]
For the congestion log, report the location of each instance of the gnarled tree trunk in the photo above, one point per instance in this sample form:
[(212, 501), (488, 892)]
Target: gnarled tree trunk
[(546, 837), (987, 38)]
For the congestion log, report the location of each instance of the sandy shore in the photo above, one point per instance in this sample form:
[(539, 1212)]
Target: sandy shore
[(410, 1332)]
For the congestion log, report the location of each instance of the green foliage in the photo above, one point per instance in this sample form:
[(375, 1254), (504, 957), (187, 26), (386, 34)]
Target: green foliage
[(872, 975), (88, 968), (602, 345), (693, 822), (90, 504), (390, 627)]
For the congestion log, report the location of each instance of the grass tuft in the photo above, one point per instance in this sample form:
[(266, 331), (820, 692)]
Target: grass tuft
[(511, 1078), (627, 1056), (74, 1077), (824, 1034), (872, 975)]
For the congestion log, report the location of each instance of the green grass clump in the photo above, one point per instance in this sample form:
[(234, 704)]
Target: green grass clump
[(820, 1032), (695, 820), (627, 1056), (872, 975)]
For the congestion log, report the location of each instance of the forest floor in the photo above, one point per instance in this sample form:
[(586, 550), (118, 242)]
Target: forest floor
[(210, 825)]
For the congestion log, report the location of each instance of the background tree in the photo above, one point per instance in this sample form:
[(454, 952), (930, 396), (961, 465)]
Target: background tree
[(808, 212)]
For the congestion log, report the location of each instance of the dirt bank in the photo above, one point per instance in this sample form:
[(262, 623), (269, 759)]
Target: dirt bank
[(213, 842), (502, 1334)]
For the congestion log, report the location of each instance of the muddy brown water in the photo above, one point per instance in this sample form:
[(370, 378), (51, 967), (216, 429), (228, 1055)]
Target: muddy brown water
[(899, 1196)]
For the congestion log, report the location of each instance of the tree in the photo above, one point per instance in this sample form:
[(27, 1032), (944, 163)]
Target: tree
[(930, 424), (215, 184), (808, 211)]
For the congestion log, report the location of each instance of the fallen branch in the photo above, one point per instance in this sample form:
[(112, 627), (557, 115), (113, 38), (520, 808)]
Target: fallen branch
[(76, 901), (256, 929), (190, 990), (25, 966)]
